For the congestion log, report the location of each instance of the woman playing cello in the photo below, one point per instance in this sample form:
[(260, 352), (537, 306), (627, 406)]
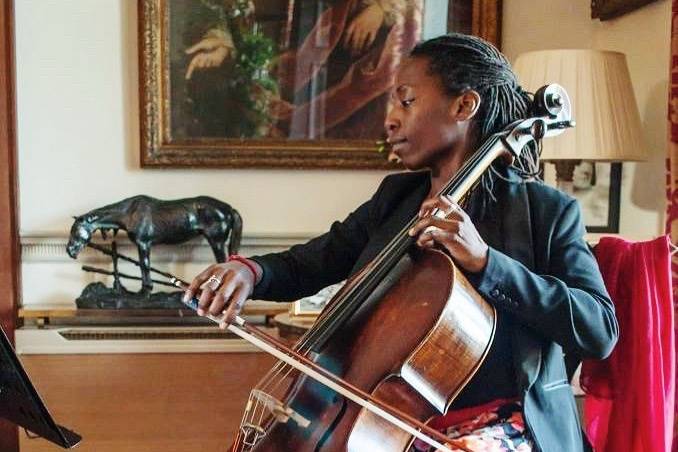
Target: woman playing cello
[(519, 243)]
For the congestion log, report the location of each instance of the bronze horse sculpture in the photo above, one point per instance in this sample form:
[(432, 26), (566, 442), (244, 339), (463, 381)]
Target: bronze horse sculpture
[(149, 221)]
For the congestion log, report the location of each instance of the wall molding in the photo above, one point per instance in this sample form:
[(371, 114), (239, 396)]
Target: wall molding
[(30, 341), (51, 247)]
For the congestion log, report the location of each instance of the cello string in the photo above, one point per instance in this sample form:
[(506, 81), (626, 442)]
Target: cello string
[(254, 413), (306, 341), (280, 371), (302, 346), (387, 412), (243, 422), (399, 244), (393, 250), (393, 247), (261, 417), (280, 366), (178, 282), (402, 239), (272, 380), (258, 423)]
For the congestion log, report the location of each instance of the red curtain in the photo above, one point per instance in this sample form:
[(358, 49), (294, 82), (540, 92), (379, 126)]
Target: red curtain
[(672, 167)]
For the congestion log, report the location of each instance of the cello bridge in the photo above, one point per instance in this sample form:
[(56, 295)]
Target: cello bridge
[(262, 409), (250, 434), (280, 411)]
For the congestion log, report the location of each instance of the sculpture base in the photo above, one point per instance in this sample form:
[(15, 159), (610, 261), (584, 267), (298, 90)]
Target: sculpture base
[(99, 296)]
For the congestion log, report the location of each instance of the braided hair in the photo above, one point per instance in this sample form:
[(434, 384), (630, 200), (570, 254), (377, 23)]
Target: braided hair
[(464, 63)]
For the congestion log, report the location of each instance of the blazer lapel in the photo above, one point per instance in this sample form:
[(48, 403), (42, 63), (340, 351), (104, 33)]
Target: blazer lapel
[(518, 243)]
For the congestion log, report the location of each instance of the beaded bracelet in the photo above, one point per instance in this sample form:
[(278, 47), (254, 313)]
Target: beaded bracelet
[(243, 260)]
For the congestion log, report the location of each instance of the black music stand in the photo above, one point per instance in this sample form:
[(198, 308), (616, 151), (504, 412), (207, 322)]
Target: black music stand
[(21, 404)]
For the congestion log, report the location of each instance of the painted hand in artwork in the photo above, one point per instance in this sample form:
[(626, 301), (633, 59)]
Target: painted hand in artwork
[(362, 30), (211, 51), (456, 233)]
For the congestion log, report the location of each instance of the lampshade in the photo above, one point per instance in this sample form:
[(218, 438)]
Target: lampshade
[(603, 103)]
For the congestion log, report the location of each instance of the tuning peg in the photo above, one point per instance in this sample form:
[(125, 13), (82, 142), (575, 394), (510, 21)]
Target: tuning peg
[(562, 124)]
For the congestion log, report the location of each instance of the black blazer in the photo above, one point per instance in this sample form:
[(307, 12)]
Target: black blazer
[(539, 270)]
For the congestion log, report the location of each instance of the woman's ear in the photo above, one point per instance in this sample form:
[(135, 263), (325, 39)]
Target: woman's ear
[(465, 106)]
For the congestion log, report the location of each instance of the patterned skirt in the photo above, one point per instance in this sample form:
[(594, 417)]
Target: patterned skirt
[(497, 426)]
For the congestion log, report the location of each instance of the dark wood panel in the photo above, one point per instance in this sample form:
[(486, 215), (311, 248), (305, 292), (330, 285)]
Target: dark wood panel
[(9, 255), (9, 241), (146, 402), (609, 9)]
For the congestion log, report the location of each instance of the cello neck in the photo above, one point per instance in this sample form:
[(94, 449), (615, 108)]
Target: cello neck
[(473, 169), (360, 287)]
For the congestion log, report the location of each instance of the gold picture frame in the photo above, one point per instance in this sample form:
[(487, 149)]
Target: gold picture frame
[(610, 9), (167, 139)]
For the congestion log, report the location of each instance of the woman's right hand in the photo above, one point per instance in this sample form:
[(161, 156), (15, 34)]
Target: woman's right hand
[(223, 289)]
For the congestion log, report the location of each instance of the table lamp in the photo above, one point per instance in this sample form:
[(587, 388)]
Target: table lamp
[(603, 107)]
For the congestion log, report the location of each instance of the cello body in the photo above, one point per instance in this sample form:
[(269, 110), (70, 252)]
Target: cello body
[(449, 330)]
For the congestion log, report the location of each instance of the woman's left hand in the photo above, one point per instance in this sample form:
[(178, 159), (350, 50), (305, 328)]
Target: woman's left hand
[(456, 233)]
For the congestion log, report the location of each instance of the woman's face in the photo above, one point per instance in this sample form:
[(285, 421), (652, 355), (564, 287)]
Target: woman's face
[(422, 125)]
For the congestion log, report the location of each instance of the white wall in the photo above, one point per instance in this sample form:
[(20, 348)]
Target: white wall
[(644, 36), (545, 24), (78, 141), (77, 95), (78, 132)]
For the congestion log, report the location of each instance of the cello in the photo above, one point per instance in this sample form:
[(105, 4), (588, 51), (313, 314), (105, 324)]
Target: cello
[(337, 389)]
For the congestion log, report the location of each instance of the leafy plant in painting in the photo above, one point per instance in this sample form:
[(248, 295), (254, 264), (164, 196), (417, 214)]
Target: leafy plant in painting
[(244, 88)]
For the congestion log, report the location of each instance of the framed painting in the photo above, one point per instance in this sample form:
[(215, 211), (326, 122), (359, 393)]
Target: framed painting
[(609, 9), (281, 83), (597, 187)]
